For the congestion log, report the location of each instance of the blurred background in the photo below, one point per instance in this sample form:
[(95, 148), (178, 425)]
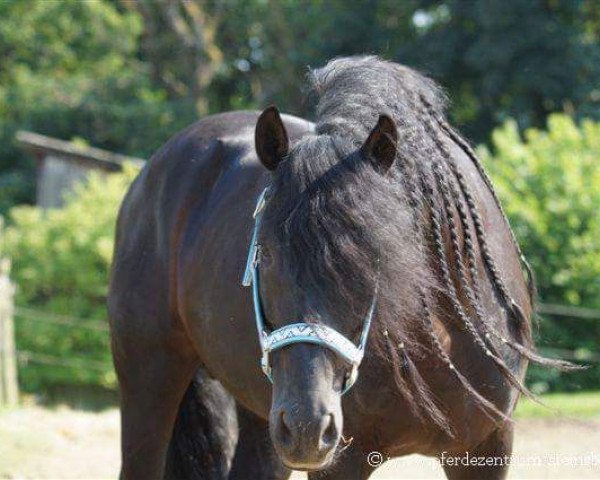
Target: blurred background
[(89, 89)]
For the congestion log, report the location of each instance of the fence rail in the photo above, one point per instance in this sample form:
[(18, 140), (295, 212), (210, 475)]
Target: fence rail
[(34, 315), (568, 311), (580, 355), (10, 356), (25, 357)]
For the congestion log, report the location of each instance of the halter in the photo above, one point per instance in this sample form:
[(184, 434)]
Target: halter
[(299, 332)]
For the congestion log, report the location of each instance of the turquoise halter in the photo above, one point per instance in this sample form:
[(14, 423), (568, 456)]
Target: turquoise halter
[(299, 332)]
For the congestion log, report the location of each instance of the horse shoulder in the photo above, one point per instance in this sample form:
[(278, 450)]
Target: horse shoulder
[(151, 218)]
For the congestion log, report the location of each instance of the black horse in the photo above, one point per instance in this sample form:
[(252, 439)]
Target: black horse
[(379, 195)]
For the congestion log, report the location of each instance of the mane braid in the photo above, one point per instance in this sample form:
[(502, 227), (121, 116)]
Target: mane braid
[(414, 390), (487, 407), (464, 145), (472, 296), (490, 263), (483, 403), (451, 292), (481, 235), (472, 263), (488, 347), (430, 406)]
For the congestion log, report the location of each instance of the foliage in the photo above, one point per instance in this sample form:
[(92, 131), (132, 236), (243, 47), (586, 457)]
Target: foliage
[(60, 260), (520, 59), (549, 182), (126, 75), (69, 69), (269, 47)]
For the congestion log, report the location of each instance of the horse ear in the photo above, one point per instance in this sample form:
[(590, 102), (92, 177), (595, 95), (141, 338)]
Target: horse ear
[(270, 138), (380, 147)]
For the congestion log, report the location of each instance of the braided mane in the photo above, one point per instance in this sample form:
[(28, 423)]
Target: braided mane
[(422, 221)]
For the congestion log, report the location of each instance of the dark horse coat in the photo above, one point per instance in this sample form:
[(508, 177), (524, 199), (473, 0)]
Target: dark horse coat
[(411, 207)]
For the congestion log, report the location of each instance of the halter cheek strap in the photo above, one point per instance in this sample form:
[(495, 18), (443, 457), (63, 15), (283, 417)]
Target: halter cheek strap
[(299, 332)]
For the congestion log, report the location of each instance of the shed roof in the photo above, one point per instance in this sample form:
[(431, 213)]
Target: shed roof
[(41, 145)]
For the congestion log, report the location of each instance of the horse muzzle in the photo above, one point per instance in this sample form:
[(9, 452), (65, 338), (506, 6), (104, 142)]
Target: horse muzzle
[(305, 445), (306, 414)]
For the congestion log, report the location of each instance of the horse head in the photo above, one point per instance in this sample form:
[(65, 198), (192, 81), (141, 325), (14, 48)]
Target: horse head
[(311, 347)]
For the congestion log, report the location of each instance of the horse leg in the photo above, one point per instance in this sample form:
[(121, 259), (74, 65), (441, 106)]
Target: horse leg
[(353, 464), (255, 455), (152, 382), (205, 434), (492, 458)]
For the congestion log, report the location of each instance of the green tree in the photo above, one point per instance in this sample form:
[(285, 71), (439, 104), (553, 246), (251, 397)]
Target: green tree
[(126, 75), (68, 69), (549, 182), (244, 54), (521, 59)]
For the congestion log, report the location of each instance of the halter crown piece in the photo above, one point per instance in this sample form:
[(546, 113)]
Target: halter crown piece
[(299, 332)]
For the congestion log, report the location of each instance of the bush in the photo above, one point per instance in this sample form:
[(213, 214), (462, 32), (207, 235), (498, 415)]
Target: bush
[(60, 261), (549, 182)]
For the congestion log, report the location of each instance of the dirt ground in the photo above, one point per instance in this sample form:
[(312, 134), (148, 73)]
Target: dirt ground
[(64, 443)]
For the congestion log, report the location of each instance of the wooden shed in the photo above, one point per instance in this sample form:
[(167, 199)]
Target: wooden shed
[(62, 164)]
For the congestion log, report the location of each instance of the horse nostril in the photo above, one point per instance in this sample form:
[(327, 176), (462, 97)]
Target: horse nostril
[(329, 435), (285, 433), (310, 439)]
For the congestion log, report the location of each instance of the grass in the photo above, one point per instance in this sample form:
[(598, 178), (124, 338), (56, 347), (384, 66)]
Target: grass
[(575, 405)]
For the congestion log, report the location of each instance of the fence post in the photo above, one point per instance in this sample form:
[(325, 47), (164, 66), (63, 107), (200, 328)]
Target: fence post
[(9, 389)]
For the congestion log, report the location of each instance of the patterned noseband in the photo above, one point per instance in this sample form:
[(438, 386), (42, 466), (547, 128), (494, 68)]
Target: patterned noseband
[(299, 332)]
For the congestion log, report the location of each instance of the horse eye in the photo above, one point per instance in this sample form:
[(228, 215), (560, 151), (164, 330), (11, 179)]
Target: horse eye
[(265, 254)]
